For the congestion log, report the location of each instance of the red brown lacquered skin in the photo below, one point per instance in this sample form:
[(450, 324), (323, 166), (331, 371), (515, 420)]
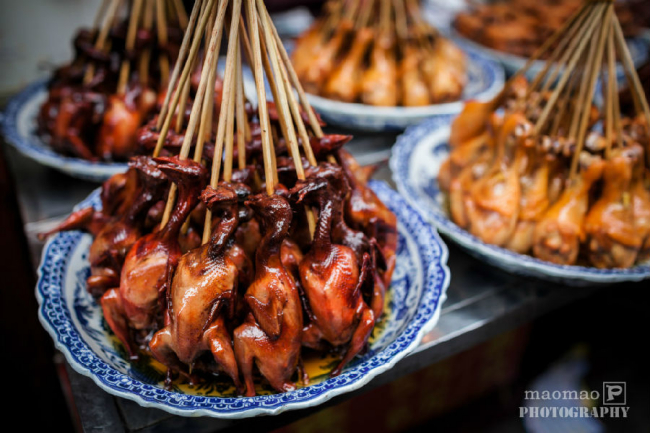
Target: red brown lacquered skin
[(272, 331), (115, 239), (139, 301), (203, 295), (364, 211), (333, 278), (357, 240)]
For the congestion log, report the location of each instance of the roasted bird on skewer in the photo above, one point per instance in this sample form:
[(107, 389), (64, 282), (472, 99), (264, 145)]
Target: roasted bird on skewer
[(240, 272), (542, 170), (378, 52), (97, 102)]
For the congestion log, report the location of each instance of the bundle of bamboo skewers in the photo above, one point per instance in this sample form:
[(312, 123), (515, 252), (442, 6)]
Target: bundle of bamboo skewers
[(543, 169), (379, 52), (235, 271), (97, 102)]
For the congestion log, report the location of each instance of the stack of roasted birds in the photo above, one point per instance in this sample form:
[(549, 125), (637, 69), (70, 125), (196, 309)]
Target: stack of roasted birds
[(114, 83), (544, 170), (521, 26), (378, 52), (232, 270)]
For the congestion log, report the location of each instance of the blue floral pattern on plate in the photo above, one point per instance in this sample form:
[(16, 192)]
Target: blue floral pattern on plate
[(18, 123), (415, 162), (74, 321)]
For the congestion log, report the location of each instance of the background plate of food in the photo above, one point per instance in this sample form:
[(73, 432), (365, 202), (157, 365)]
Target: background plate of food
[(416, 161), (84, 120), (74, 320), (19, 127), (382, 67), (485, 79), (512, 30)]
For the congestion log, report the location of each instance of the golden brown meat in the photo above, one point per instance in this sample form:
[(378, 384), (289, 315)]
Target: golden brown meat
[(560, 230), (203, 294), (139, 301), (493, 203), (324, 63), (344, 83), (444, 70), (379, 81), (413, 89), (612, 238)]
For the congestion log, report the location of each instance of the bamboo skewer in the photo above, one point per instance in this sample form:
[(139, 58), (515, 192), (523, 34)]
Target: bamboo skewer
[(198, 101), (169, 110), (261, 94), (183, 52), (101, 38), (609, 10), (570, 67), (130, 44), (162, 40), (225, 116), (240, 115), (145, 58)]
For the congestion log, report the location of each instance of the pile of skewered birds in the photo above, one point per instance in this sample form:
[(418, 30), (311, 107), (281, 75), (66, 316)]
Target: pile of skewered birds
[(261, 289), (519, 27), (543, 170), (379, 52), (228, 275), (115, 81)]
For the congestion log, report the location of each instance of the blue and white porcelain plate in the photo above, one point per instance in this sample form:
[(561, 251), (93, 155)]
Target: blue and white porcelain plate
[(18, 124), (74, 321), (415, 163), (512, 63)]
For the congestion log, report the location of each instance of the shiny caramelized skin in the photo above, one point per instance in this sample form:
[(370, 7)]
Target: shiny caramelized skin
[(68, 117), (559, 232), (118, 133), (115, 191), (493, 203), (307, 45), (139, 301), (271, 334), (444, 71), (364, 211), (641, 200), (356, 240), (117, 236), (413, 89), (379, 81), (344, 83), (203, 295), (613, 240), (324, 62), (332, 279), (534, 199)]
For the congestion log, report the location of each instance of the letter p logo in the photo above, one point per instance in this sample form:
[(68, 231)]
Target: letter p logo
[(614, 393)]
